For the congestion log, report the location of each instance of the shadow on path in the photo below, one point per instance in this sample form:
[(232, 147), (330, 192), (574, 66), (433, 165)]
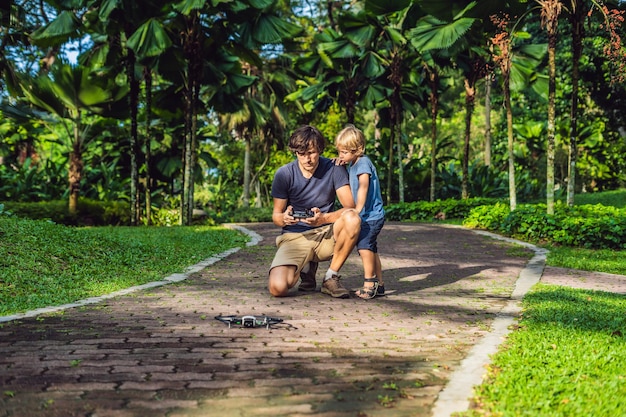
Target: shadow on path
[(159, 352)]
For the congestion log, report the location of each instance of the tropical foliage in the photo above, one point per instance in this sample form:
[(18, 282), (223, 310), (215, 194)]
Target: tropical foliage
[(183, 105)]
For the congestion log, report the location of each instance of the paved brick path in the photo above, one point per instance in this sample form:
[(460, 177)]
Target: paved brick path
[(159, 352)]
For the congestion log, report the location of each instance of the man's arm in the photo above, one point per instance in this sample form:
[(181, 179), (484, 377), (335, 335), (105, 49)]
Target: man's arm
[(278, 213), (344, 195)]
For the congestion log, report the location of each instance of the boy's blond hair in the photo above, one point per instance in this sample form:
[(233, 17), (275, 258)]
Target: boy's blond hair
[(352, 139)]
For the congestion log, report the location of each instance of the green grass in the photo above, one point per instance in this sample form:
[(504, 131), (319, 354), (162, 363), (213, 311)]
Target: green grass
[(44, 264), (568, 355), (609, 261), (616, 198), (600, 260), (568, 358)]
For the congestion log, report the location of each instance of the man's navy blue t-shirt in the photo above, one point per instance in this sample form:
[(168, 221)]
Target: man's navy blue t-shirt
[(305, 193)]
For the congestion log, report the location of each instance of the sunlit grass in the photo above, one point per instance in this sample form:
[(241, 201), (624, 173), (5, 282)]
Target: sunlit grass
[(616, 198), (600, 260), (43, 264), (568, 358), (568, 355)]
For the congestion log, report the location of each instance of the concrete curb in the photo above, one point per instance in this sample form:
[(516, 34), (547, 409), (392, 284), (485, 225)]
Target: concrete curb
[(255, 238), (455, 397)]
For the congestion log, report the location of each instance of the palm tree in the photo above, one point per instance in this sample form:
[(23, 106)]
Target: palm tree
[(72, 94), (550, 10), (445, 30), (13, 29), (576, 18), (433, 83), (342, 66), (128, 32), (460, 28), (244, 124), (502, 56), (577, 14), (262, 116), (392, 22), (217, 39)]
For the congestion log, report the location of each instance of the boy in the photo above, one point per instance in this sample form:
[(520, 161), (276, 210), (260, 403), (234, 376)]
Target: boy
[(350, 143)]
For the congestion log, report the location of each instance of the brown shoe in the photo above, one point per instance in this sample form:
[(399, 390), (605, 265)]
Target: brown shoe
[(334, 288), (307, 279)]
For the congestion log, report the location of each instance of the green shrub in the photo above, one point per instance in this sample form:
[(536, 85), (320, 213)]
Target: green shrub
[(586, 226), (529, 222), (487, 217), (89, 212), (426, 210), (592, 226)]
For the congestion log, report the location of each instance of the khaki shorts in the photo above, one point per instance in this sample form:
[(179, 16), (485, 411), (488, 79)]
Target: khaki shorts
[(298, 249)]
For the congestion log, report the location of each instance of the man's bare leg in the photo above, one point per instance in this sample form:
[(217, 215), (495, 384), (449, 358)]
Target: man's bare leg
[(346, 232), (281, 279)]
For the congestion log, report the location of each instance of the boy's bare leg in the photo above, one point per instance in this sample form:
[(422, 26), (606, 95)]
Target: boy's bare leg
[(379, 270), (369, 263)]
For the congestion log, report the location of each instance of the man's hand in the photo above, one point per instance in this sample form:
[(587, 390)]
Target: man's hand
[(317, 218)]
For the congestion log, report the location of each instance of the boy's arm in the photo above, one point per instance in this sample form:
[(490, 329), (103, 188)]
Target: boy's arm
[(361, 194)]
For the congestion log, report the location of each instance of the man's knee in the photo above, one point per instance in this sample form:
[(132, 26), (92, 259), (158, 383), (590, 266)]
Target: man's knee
[(351, 222), (278, 282), (278, 292)]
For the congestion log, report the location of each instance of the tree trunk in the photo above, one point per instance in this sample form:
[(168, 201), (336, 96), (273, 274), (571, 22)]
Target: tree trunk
[(396, 122), (434, 105), (470, 97), (576, 17), (488, 82), (390, 165), (187, 162), (194, 140), (148, 142), (509, 129), (191, 48), (133, 98), (75, 170), (246, 171), (257, 184), (549, 13), (551, 124), (400, 167)]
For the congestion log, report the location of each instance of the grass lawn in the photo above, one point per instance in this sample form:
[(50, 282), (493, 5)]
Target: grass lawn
[(616, 198), (44, 264), (567, 356), (600, 260)]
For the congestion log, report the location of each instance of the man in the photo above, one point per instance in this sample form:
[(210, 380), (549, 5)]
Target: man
[(311, 183)]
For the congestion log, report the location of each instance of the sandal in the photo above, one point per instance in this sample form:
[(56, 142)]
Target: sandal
[(367, 293), (380, 290)]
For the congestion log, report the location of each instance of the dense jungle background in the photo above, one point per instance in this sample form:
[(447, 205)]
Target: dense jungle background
[(160, 112)]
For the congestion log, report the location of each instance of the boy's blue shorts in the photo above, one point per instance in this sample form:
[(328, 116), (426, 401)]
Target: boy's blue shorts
[(369, 234)]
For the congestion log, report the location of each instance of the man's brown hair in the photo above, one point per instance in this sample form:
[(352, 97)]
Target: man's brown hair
[(305, 136)]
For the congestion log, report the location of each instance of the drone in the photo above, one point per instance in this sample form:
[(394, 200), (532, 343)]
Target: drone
[(249, 321)]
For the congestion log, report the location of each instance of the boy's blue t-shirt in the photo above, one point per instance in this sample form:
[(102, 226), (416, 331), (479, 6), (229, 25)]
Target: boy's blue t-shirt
[(373, 209), (305, 193)]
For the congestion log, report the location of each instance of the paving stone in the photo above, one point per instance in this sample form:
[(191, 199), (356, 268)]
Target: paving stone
[(160, 352)]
